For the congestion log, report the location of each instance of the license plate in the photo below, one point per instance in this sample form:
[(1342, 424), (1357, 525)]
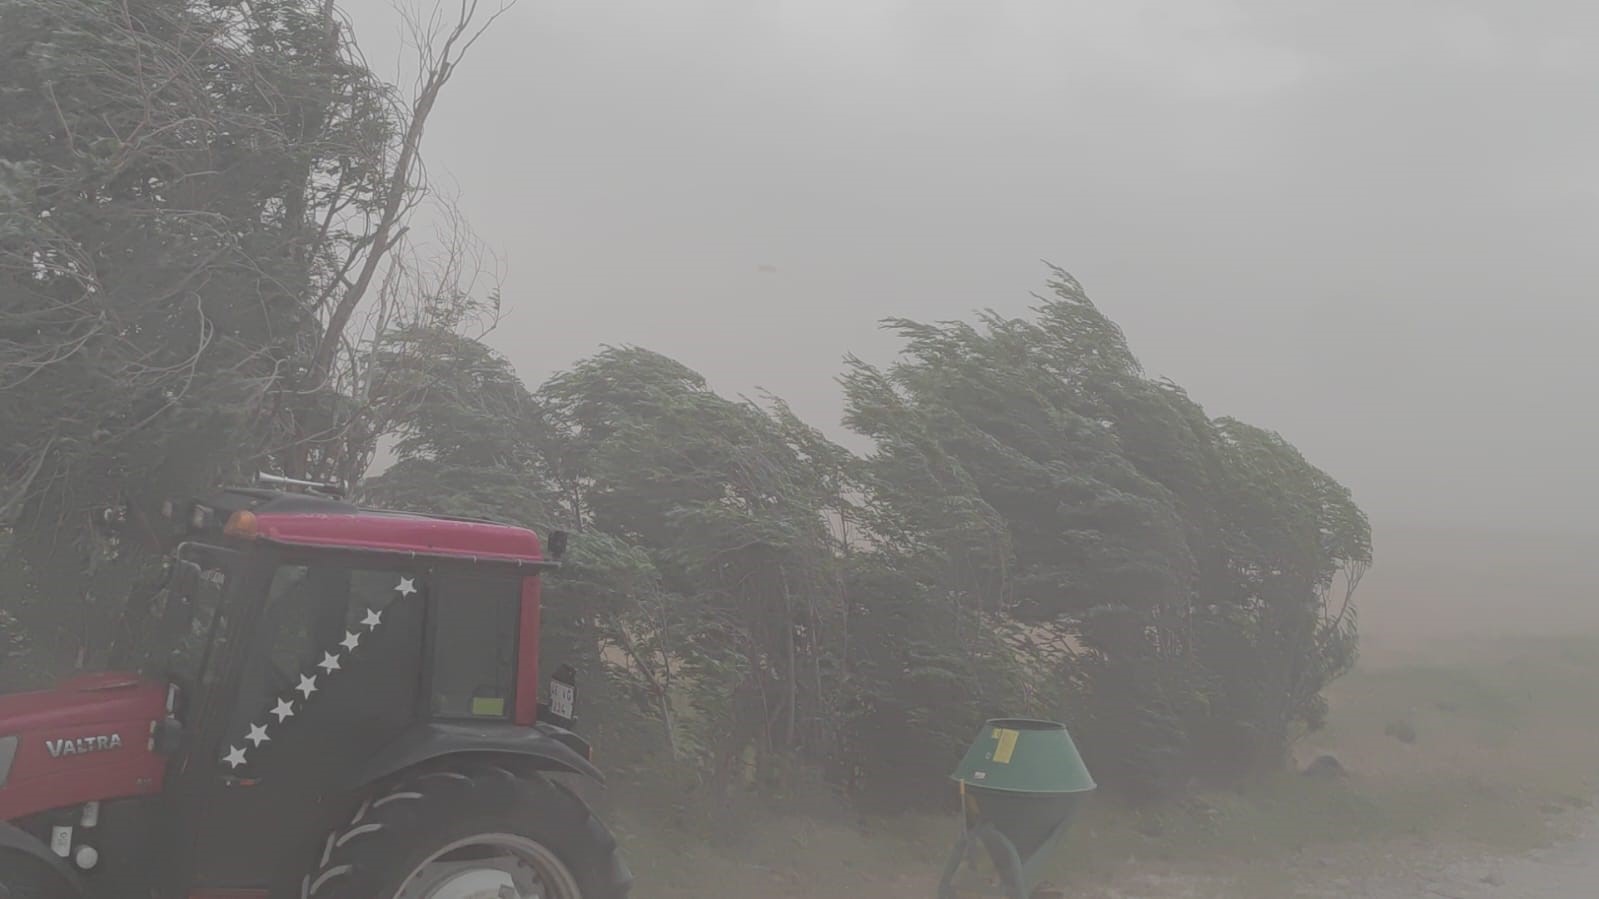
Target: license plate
[(562, 699)]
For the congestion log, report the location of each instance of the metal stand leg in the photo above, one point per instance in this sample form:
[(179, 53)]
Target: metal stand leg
[(1017, 876), (1003, 852), (946, 883), (1000, 850)]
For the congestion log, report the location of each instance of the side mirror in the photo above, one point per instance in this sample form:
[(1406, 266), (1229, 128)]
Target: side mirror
[(557, 545)]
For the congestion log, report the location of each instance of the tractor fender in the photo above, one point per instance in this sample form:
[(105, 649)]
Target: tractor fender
[(15, 839), (546, 747)]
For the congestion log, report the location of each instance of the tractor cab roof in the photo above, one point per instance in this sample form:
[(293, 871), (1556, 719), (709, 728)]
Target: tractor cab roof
[(309, 520)]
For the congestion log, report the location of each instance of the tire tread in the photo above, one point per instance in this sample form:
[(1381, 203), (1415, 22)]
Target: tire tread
[(396, 829)]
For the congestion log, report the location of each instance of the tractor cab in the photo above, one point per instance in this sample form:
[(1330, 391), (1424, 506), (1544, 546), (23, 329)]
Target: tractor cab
[(307, 660), (308, 577)]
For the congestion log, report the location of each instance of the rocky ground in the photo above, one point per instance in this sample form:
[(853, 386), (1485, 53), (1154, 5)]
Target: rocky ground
[(1568, 871)]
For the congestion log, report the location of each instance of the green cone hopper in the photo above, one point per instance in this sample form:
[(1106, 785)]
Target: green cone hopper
[(1020, 782)]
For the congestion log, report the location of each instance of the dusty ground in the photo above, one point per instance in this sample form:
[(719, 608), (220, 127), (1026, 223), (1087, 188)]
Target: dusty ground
[(1441, 588), (1566, 872), (1405, 870), (1569, 871)]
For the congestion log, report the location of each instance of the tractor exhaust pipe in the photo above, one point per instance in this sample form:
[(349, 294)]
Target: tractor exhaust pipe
[(276, 480)]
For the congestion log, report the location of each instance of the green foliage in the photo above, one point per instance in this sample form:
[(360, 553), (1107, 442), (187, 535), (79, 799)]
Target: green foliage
[(164, 168), (1040, 529), (1175, 573), (464, 429), (726, 501), (923, 675)]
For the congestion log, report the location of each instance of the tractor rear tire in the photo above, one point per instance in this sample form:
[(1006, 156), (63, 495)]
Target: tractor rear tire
[(25, 877), (456, 832)]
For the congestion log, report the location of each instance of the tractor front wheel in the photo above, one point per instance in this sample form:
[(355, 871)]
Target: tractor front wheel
[(478, 832)]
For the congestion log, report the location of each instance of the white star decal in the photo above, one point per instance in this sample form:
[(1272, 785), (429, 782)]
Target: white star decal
[(307, 686), (329, 663), (258, 735), (373, 619), (351, 640), (284, 710), (407, 586), (235, 757)]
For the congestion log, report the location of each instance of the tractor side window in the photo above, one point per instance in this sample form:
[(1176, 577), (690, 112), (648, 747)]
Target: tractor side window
[(311, 609), (474, 644)]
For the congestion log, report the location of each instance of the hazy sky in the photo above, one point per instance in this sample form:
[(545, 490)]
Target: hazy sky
[(1369, 225)]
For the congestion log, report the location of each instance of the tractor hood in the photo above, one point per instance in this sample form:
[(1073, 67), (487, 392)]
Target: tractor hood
[(89, 738), (86, 699)]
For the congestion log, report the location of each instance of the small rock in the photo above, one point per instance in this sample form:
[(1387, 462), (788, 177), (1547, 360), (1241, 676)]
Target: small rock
[(1493, 879), (1403, 731), (1325, 766)]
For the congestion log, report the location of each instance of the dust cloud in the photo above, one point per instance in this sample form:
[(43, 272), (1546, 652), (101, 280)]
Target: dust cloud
[(1443, 584), (1367, 225)]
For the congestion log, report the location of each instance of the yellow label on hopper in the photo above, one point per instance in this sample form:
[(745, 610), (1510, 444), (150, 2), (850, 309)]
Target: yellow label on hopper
[(1006, 744)]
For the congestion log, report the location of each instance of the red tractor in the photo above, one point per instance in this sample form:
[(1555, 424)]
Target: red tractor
[(325, 702)]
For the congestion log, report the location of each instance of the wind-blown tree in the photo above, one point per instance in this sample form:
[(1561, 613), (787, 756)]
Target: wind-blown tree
[(1040, 529), (469, 439), (194, 199), (149, 290), (922, 674), (1099, 522), (726, 501), (1047, 524), (1297, 549), (926, 600), (465, 430)]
